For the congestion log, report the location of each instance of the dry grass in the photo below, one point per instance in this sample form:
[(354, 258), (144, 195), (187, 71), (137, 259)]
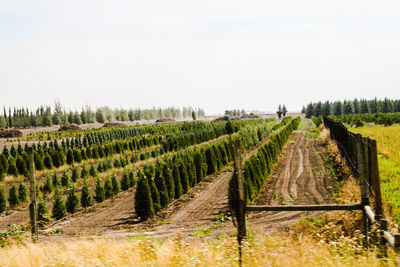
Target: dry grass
[(259, 251)]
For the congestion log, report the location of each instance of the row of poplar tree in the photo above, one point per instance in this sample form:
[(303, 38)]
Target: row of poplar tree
[(46, 116)]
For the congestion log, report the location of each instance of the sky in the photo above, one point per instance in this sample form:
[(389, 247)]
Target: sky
[(217, 55)]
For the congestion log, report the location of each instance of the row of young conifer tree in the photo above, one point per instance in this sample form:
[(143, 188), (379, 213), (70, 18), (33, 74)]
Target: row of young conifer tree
[(257, 167), (172, 176), (15, 161)]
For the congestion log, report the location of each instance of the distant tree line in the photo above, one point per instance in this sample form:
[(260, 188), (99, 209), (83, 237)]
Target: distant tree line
[(235, 112), (46, 116), (355, 106)]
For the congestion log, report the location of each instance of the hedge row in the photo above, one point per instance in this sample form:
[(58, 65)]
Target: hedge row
[(360, 119), (257, 167)]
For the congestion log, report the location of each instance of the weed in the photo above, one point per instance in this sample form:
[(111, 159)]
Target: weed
[(221, 218), (201, 232), (57, 231)]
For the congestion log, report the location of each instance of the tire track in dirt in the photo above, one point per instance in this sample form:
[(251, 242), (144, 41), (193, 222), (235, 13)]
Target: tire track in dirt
[(302, 166)]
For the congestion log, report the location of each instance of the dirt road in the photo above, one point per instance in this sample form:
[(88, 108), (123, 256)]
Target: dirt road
[(302, 176)]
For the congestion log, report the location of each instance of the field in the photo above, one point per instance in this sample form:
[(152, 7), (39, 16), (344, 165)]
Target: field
[(165, 198), (388, 139)]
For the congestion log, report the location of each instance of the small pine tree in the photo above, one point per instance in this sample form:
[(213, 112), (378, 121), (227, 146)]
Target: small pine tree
[(99, 191), (13, 196), (2, 175), (177, 181), (184, 177), (55, 179), (169, 181), (143, 201), (108, 188), (3, 201), (84, 172), (22, 193), (48, 163), (21, 166), (72, 200), (39, 164), (42, 211), (59, 208), (86, 197), (125, 183), (92, 170), (70, 157), (115, 185), (12, 168), (48, 186), (132, 178), (64, 179), (160, 184), (74, 174)]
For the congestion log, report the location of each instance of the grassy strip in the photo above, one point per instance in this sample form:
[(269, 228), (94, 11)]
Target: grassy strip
[(388, 139)]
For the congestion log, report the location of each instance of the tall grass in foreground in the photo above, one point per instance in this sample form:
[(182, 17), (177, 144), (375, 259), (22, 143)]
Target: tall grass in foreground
[(259, 251), (388, 139)]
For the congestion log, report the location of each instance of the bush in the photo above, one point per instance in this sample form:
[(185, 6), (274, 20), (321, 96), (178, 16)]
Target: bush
[(115, 185), (13, 199), (55, 179), (74, 174), (12, 168), (72, 203), (99, 191), (108, 187), (92, 170), (3, 202), (22, 193), (143, 200), (169, 180), (132, 178), (125, 183), (48, 163), (160, 184), (59, 208), (86, 197), (42, 212), (21, 166), (39, 164), (84, 172), (64, 179), (48, 186)]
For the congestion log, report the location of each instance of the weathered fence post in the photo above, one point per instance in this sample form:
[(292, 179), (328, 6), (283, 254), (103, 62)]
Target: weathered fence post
[(240, 210), (32, 205), (376, 180), (363, 184), (383, 227)]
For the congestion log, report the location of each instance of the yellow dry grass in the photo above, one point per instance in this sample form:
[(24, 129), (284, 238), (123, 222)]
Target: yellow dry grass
[(259, 251)]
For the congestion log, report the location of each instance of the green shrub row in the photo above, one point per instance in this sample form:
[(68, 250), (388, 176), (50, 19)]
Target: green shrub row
[(257, 167), (172, 176)]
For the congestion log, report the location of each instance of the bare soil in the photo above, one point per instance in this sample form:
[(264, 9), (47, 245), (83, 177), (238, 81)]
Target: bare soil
[(302, 176)]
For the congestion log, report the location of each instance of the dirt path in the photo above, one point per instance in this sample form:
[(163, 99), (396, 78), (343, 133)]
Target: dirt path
[(301, 177)]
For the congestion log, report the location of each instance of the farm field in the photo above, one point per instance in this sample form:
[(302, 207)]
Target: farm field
[(388, 140), (303, 173)]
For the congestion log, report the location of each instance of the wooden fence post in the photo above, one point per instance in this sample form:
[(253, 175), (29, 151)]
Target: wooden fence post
[(363, 184), (240, 210), (241, 192), (33, 205), (376, 180)]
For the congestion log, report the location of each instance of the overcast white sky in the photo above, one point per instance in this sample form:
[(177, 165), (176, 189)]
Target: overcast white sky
[(213, 54)]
